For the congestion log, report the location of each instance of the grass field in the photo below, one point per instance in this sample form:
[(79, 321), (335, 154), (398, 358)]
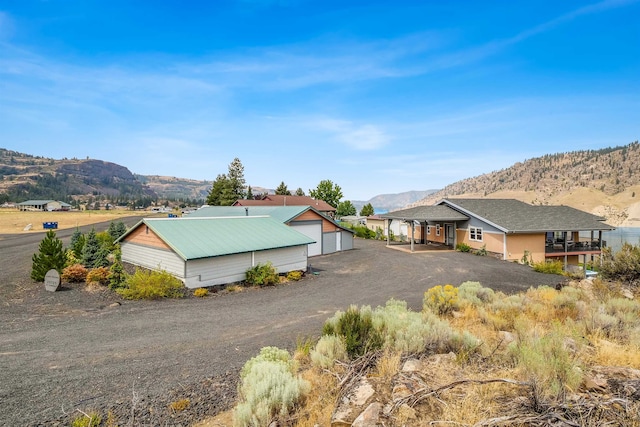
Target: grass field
[(14, 222)]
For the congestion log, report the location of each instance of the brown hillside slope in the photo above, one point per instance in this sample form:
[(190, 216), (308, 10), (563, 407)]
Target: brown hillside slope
[(605, 182)]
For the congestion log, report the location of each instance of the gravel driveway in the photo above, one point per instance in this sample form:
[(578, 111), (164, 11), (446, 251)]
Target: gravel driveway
[(73, 349)]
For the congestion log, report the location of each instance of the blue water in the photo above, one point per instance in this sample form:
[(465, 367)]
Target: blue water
[(620, 235)]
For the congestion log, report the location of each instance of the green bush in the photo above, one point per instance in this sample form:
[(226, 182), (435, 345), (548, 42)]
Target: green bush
[(482, 251), (623, 266), (548, 267), (118, 276), (355, 327), (328, 349), (201, 292), (145, 284), (50, 255), (75, 273), (262, 275), (269, 388), (463, 247), (363, 232), (92, 419), (474, 293)]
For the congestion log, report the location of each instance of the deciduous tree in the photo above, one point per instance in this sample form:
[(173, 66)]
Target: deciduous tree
[(327, 191), (367, 210), (345, 208)]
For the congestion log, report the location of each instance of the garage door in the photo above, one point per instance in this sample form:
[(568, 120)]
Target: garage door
[(315, 232)]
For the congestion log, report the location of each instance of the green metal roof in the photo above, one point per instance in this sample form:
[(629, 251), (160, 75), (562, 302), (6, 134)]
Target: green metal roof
[(193, 238), (281, 213), (514, 216)]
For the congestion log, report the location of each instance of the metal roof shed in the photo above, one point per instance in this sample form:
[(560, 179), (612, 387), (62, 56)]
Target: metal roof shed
[(213, 251)]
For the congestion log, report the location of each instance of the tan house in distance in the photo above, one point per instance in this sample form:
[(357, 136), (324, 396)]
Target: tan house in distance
[(509, 228)]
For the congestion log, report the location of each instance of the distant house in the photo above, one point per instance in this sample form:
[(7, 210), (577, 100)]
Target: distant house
[(508, 228), (328, 235), (214, 251), (279, 200), (43, 205)]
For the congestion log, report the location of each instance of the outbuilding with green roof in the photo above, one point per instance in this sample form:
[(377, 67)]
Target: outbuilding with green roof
[(214, 251)]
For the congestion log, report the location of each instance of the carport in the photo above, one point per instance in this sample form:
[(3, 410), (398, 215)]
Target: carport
[(440, 216)]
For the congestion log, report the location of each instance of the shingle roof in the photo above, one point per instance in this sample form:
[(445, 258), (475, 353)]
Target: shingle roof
[(281, 213), (427, 213), (513, 216), (35, 202), (193, 238), (279, 200)]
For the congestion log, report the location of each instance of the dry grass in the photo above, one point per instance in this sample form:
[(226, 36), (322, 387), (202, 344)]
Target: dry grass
[(14, 222)]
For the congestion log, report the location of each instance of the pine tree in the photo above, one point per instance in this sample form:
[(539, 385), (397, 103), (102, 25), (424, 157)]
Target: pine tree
[(300, 192), (117, 276), (77, 243), (249, 195), (282, 190), (51, 255), (90, 250)]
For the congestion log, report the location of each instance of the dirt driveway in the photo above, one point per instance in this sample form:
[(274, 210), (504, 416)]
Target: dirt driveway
[(70, 349)]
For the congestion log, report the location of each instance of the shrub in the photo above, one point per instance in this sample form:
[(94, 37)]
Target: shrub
[(145, 284), (99, 275), (201, 292), (482, 251), (441, 299), (71, 258), (294, 275), (50, 255), (268, 388), (262, 275), (328, 349), (74, 274), (363, 232), (623, 266), (463, 247), (474, 293), (548, 267), (92, 419), (180, 405), (355, 327), (77, 243)]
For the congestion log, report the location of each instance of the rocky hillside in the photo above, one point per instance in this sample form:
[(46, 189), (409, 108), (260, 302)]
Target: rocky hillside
[(603, 181), (391, 202), (23, 176)]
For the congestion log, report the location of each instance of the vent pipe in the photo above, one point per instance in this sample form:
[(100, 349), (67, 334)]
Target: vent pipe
[(246, 211)]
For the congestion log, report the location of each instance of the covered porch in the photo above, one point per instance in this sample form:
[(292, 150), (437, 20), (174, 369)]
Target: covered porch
[(428, 227)]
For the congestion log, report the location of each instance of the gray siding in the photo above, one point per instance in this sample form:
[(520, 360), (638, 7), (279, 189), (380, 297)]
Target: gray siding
[(217, 270), (475, 222), (347, 240), (329, 242), (153, 258), (284, 259)]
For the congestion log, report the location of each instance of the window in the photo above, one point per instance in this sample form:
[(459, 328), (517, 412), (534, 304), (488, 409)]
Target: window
[(475, 233), (437, 229), (428, 229)]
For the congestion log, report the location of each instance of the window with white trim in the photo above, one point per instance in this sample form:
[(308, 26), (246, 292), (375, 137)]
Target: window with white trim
[(437, 229), (475, 234), (428, 229)]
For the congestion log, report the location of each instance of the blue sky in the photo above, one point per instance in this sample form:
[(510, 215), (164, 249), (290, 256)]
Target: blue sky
[(378, 96)]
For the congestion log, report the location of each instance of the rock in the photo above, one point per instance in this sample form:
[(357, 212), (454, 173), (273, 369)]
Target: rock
[(406, 412), (595, 384), (352, 404), (412, 365), (369, 417), (627, 293), (506, 337), (114, 304)]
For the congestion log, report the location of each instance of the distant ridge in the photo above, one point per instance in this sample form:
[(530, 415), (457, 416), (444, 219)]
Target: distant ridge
[(605, 182), (389, 202)]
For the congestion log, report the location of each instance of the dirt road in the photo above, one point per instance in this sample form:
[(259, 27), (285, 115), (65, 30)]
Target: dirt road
[(70, 349)]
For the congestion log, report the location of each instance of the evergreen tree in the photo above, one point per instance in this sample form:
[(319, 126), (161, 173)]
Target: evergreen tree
[(282, 189), (50, 255), (327, 191), (367, 210), (216, 194), (121, 228), (300, 192), (77, 243), (236, 180), (116, 229), (90, 250), (345, 208), (249, 195), (117, 276)]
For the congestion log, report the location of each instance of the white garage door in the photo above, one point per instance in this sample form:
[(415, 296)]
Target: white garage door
[(315, 232)]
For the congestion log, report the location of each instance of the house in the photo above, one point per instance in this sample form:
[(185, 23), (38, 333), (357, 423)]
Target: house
[(329, 236), (509, 228), (280, 200), (43, 205), (213, 251)]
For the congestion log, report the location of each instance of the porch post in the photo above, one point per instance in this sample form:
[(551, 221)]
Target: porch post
[(389, 231), (413, 229)]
